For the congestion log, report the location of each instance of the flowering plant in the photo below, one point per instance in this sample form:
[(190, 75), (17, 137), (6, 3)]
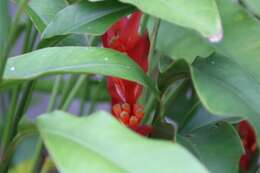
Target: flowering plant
[(129, 86)]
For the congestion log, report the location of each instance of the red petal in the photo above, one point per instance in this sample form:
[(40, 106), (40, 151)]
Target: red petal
[(117, 90), (113, 32), (140, 52), (247, 134), (129, 36), (244, 162), (143, 130)]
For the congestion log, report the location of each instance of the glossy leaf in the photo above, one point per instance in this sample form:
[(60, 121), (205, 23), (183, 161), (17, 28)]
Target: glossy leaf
[(227, 89), (202, 117), (180, 43), (233, 75), (218, 147), (201, 15), (253, 5), (41, 12), (86, 17), (94, 149), (58, 60), (241, 41)]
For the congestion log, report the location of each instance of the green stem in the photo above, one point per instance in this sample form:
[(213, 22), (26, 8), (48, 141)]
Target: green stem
[(153, 43), (85, 96), (189, 116), (36, 157), (8, 44), (10, 120), (23, 105), (51, 106), (66, 90), (148, 108), (48, 166), (4, 29), (55, 92), (145, 19), (95, 98), (73, 92), (27, 37), (172, 95), (33, 39)]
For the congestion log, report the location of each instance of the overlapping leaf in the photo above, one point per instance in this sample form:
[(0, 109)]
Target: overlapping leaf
[(227, 89), (218, 147), (93, 148), (201, 15), (86, 17), (58, 60)]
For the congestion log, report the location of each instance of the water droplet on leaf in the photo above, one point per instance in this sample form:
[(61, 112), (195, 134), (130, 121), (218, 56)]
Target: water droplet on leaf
[(12, 68)]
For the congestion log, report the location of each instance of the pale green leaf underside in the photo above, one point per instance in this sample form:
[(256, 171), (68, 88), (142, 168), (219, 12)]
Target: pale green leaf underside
[(99, 143)]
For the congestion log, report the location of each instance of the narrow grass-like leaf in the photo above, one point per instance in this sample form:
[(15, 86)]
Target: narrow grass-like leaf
[(58, 60)]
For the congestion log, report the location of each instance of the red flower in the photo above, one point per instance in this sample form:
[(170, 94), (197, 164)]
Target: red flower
[(248, 137), (124, 37)]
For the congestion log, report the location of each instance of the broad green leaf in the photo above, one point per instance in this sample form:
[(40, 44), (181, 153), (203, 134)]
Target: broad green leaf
[(201, 15), (241, 42), (86, 17), (42, 11), (180, 43), (218, 147), (203, 117), (99, 143), (59, 60), (227, 89), (236, 76), (253, 5), (4, 25)]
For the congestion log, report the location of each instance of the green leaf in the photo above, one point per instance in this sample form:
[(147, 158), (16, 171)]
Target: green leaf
[(42, 12), (218, 147), (227, 89), (236, 76), (86, 17), (82, 60), (175, 71), (253, 5), (69, 40), (201, 15), (241, 41), (4, 25), (180, 43), (99, 143), (202, 117)]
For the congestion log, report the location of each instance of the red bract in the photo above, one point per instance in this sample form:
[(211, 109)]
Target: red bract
[(248, 137), (124, 37)]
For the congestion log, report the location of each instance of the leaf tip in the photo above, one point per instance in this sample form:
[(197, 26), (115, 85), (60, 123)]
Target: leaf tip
[(218, 36)]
